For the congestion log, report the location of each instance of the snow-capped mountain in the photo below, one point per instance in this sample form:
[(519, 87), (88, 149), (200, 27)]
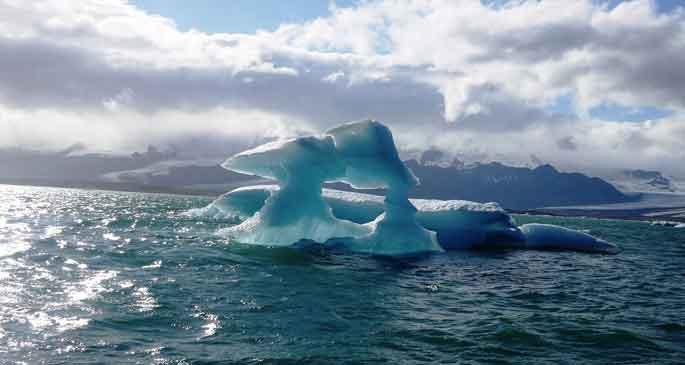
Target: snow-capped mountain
[(644, 181)]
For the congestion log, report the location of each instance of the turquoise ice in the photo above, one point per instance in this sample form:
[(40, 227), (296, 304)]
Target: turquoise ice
[(297, 210), (363, 155)]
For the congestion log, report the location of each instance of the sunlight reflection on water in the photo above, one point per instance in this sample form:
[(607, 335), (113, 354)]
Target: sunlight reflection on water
[(105, 277)]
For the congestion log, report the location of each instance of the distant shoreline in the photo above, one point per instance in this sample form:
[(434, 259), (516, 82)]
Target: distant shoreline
[(121, 187), (628, 215), (620, 214)]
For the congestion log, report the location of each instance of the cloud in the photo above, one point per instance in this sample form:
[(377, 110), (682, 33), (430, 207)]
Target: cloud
[(593, 143), (462, 75), (36, 74), (128, 130), (567, 143)]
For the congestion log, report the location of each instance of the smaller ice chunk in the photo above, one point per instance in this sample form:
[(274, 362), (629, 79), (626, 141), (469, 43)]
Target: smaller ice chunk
[(237, 205), (548, 236), (665, 223), (462, 224), (459, 224)]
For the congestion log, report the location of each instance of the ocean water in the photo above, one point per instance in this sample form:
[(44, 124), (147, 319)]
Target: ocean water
[(95, 277)]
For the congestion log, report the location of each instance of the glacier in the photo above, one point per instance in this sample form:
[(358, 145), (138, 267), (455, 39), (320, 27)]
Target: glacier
[(298, 210)]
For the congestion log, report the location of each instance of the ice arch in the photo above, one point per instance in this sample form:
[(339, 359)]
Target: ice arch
[(362, 154), (297, 210)]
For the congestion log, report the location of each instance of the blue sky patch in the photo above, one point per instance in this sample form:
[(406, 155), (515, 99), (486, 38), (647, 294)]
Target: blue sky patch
[(621, 113)]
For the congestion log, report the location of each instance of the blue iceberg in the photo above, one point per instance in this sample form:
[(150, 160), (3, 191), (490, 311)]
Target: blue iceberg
[(363, 155), (548, 236), (458, 224)]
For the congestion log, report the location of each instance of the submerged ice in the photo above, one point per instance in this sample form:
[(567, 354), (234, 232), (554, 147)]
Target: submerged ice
[(363, 155)]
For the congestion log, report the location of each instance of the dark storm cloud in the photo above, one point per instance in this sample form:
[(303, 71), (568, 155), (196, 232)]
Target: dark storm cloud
[(567, 143), (35, 74), (533, 44)]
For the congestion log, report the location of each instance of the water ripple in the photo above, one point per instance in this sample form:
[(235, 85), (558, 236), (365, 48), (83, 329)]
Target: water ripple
[(105, 277)]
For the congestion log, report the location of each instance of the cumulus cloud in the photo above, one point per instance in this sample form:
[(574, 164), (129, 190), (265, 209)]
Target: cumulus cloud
[(462, 75)]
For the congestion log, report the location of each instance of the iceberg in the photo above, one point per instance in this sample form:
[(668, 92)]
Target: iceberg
[(461, 224), (458, 224), (362, 154), (298, 210), (548, 236)]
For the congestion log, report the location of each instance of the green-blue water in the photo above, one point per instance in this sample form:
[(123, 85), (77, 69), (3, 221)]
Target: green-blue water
[(92, 277)]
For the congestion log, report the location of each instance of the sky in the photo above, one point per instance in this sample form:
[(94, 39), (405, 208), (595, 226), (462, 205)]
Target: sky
[(583, 83), (249, 16), (239, 16)]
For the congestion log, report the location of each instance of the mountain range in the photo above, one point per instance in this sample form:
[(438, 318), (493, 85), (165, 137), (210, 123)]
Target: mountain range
[(513, 187)]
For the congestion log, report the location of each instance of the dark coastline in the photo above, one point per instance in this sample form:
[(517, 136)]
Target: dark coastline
[(626, 214)]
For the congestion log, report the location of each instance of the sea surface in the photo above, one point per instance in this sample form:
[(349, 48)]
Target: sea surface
[(97, 277)]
